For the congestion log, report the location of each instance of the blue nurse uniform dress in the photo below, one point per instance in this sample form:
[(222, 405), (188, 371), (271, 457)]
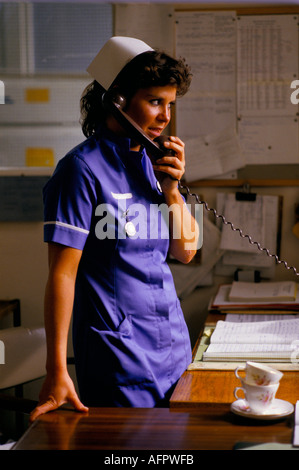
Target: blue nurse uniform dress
[(131, 342)]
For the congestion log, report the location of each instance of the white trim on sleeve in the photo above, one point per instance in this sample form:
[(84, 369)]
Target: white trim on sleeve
[(73, 227)]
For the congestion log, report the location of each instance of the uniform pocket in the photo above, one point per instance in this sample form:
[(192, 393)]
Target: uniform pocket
[(125, 327)]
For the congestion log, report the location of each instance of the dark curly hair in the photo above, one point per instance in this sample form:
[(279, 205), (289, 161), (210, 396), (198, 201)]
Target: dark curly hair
[(152, 68)]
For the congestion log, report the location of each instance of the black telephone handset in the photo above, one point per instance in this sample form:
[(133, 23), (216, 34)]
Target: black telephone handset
[(115, 103)]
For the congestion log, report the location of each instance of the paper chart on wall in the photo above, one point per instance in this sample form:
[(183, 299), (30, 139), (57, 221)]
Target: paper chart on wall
[(269, 140), (267, 62), (207, 40), (213, 155)]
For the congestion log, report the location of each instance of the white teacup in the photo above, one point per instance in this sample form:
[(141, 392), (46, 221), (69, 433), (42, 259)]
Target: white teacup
[(259, 374), (258, 397)]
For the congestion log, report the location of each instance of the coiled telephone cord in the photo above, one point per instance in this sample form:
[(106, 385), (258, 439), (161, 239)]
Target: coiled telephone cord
[(236, 229)]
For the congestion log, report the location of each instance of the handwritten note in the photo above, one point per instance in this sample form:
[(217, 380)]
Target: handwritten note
[(213, 155)]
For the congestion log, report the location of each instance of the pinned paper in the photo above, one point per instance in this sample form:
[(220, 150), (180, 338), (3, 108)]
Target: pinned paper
[(39, 157), (2, 92), (37, 95)]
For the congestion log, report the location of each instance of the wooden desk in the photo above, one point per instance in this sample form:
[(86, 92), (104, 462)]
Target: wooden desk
[(217, 386), (208, 427)]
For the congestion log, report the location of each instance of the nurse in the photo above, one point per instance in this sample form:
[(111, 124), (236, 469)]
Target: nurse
[(112, 214)]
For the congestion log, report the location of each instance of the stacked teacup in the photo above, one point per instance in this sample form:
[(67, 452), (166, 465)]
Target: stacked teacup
[(259, 386)]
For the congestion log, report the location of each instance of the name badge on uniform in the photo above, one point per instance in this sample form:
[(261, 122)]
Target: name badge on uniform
[(130, 229)]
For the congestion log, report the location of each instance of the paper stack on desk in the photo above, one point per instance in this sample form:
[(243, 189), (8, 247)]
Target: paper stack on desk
[(256, 297)]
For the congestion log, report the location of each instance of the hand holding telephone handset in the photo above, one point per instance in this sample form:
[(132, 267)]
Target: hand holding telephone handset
[(115, 103)]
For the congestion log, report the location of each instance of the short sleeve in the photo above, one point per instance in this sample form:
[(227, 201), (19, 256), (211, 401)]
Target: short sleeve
[(69, 201)]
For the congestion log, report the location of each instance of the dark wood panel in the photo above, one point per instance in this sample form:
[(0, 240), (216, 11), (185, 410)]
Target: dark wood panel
[(207, 427)]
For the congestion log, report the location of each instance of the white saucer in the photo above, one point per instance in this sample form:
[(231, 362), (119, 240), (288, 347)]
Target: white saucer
[(279, 409)]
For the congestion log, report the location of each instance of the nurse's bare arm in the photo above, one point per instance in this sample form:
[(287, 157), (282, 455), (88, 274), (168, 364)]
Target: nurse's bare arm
[(184, 230), (58, 387)]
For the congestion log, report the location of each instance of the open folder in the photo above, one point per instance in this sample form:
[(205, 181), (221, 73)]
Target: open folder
[(266, 341)]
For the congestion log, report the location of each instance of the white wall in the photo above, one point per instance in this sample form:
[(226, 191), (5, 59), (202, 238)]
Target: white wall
[(23, 268)]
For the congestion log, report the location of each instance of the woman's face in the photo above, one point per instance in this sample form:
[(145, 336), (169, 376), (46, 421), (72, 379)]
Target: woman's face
[(150, 108)]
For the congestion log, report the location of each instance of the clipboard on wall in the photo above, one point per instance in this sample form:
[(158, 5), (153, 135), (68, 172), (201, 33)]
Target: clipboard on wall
[(260, 217)]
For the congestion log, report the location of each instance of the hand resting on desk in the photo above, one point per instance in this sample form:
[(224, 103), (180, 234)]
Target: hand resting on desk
[(57, 391)]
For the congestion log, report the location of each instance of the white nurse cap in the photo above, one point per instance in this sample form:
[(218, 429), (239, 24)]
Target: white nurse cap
[(112, 58)]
